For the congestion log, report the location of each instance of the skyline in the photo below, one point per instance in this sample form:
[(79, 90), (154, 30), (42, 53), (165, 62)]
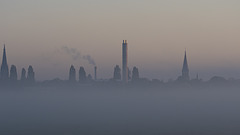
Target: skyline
[(75, 55), (157, 31)]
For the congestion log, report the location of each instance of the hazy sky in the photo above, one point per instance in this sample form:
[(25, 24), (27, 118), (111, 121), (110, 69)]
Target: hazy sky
[(158, 31)]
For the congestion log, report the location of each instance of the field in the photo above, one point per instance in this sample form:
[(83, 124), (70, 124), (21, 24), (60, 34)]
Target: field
[(119, 111)]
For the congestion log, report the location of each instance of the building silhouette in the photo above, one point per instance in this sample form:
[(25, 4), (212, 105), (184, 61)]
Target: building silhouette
[(23, 75), (89, 78), (13, 73), (124, 61), (185, 69), (30, 75), (117, 73), (129, 74), (95, 73), (135, 74), (82, 75), (72, 74), (4, 67)]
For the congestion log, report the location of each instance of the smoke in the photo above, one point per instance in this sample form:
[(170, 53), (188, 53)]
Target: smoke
[(89, 59), (73, 52), (76, 55)]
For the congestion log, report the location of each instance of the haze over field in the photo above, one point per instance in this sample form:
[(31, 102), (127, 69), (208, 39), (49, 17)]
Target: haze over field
[(119, 111), (157, 31)]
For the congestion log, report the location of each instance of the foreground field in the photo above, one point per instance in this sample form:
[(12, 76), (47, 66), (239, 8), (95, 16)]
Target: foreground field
[(119, 111)]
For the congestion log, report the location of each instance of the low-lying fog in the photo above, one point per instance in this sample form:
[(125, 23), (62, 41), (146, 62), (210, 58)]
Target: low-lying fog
[(119, 111)]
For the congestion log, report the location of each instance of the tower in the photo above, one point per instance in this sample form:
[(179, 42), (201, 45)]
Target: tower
[(185, 69), (95, 73), (4, 67), (124, 62), (72, 74)]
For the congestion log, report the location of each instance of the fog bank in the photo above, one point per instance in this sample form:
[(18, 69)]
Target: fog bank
[(119, 111)]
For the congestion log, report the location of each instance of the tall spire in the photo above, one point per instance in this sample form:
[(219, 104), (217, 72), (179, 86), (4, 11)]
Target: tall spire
[(185, 69), (4, 59), (4, 67)]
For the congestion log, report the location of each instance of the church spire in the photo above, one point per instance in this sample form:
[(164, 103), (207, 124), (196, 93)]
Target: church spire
[(4, 67), (185, 69), (4, 59)]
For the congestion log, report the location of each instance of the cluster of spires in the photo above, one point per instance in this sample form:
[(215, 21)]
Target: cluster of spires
[(82, 75), (11, 77), (83, 78)]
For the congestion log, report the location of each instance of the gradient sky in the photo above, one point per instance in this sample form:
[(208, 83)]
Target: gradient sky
[(158, 31)]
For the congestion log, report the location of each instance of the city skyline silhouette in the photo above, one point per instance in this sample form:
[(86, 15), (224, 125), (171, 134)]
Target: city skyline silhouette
[(157, 31), (128, 67), (83, 77)]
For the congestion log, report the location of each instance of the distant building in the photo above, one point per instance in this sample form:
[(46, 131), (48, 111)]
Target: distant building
[(89, 78), (95, 73), (185, 70), (13, 73), (72, 74), (135, 74), (23, 75), (82, 75), (124, 61), (30, 75), (4, 67), (117, 73)]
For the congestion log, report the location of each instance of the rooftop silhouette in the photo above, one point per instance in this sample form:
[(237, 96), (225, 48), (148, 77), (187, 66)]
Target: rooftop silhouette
[(86, 78)]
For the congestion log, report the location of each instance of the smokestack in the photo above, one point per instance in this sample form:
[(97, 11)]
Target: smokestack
[(95, 73), (124, 62)]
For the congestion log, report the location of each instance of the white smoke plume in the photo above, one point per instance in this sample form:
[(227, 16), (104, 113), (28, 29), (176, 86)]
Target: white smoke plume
[(76, 55)]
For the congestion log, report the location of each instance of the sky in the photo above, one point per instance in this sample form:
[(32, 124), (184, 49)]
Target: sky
[(41, 34)]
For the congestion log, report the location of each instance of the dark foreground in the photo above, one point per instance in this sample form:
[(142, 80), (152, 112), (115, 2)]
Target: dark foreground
[(43, 111)]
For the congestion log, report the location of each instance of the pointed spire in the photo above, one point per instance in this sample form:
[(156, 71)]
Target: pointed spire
[(185, 69), (185, 63), (4, 67), (4, 59)]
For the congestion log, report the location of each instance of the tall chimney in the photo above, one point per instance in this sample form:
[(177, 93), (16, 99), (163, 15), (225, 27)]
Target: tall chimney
[(95, 73), (124, 62)]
